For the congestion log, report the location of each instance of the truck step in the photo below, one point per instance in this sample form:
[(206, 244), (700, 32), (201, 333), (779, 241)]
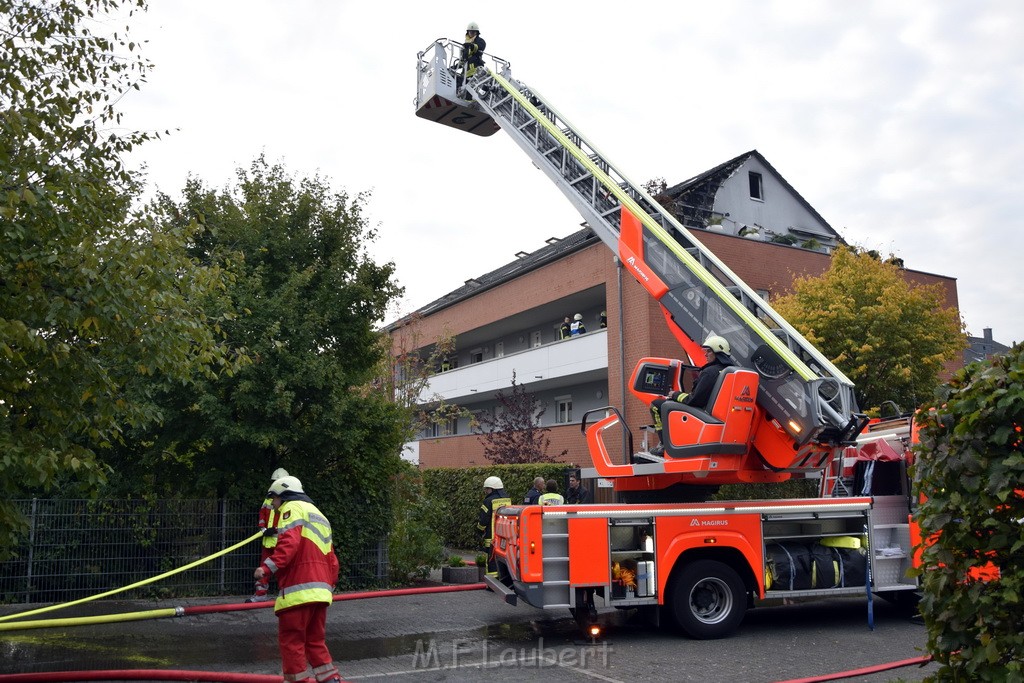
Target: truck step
[(645, 456)]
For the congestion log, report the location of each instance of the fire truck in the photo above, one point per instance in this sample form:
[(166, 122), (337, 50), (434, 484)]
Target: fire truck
[(785, 412)]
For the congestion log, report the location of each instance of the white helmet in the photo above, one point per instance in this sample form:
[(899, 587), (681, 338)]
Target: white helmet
[(493, 483), (286, 484), (278, 473), (473, 27), (578, 316), (716, 344)]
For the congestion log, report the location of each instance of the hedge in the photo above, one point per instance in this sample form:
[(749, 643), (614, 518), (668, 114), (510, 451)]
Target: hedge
[(970, 467), (459, 493)]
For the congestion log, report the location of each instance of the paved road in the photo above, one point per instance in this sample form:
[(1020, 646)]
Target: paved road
[(473, 636)]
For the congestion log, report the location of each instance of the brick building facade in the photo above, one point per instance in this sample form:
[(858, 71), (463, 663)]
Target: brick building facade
[(507, 320)]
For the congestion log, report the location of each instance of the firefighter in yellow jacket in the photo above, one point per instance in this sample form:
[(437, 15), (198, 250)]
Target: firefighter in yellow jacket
[(306, 568), (494, 498)]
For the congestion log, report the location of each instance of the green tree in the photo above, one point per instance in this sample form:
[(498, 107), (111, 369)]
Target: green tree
[(969, 468), (513, 435), (890, 338), (407, 371), (309, 300), (414, 544), (93, 295)]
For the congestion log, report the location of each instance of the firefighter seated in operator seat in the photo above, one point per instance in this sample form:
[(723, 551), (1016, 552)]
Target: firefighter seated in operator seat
[(717, 358)]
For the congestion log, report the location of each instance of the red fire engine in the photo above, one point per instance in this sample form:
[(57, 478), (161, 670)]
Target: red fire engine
[(786, 412)]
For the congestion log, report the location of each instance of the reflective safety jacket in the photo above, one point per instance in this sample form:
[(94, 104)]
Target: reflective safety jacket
[(303, 560), (551, 499), (267, 519), (485, 518)]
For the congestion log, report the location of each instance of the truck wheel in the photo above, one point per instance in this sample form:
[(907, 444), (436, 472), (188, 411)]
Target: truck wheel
[(707, 599)]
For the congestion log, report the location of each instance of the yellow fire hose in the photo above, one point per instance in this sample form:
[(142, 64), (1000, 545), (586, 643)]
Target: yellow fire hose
[(132, 616), (85, 621)]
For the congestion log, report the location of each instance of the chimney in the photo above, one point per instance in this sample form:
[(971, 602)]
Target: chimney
[(988, 334)]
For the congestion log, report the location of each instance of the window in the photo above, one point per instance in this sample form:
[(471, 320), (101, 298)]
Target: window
[(443, 428), (499, 349), (756, 189), (535, 339), (563, 409), (450, 427), (476, 356)]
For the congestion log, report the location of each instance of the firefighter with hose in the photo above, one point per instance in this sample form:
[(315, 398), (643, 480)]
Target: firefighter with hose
[(269, 540), (306, 568)]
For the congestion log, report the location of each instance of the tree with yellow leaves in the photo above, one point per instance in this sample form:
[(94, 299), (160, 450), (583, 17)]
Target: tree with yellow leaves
[(890, 338)]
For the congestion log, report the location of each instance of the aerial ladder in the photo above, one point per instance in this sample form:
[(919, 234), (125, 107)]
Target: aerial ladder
[(787, 411)]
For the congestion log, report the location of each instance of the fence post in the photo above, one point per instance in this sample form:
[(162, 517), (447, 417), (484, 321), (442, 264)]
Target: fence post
[(223, 541), (31, 547)]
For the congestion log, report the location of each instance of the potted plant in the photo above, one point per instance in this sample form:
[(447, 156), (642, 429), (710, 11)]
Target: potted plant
[(481, 566), (456, 571), (714, 223)]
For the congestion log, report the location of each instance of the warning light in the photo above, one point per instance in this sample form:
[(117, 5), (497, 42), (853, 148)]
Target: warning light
[(533, 547), (710, 540), (794, 426), (594, 631)]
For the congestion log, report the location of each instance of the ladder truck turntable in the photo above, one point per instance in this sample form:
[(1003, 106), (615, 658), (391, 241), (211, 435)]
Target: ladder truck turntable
[(785, 412)]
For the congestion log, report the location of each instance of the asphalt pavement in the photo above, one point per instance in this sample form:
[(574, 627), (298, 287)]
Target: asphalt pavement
[(474, 636)]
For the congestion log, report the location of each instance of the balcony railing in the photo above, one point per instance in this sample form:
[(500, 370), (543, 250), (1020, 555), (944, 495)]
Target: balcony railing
[(550, 362)]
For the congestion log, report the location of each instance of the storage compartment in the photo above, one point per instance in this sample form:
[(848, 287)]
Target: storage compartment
[(815, 551), (892, 552), (791, 565), (633, 573)]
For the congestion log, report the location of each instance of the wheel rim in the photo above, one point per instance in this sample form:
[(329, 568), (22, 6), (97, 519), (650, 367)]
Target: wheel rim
[(710, 601)]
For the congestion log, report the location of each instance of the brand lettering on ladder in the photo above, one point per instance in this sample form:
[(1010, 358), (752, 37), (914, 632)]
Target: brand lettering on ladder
[(639, 271)]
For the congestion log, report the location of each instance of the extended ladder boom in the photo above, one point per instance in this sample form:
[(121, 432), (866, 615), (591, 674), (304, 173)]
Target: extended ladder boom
[(799, 388)]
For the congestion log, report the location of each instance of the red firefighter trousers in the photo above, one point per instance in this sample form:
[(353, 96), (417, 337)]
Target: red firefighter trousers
[(301, 631)]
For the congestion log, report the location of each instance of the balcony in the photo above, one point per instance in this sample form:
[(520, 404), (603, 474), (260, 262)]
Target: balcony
[(561, 363)]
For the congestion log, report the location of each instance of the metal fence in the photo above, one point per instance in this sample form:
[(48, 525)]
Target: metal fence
[(78, 548)]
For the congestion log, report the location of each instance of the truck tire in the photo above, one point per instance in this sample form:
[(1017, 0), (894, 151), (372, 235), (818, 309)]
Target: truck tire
[(707, 599)]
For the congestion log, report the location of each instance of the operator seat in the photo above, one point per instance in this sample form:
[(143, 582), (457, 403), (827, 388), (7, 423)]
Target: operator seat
[(723, 429)]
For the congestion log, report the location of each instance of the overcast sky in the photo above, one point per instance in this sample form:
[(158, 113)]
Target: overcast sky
[(902, 123)]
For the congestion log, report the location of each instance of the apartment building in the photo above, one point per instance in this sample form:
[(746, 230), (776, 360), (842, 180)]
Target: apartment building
[(507, 321)]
